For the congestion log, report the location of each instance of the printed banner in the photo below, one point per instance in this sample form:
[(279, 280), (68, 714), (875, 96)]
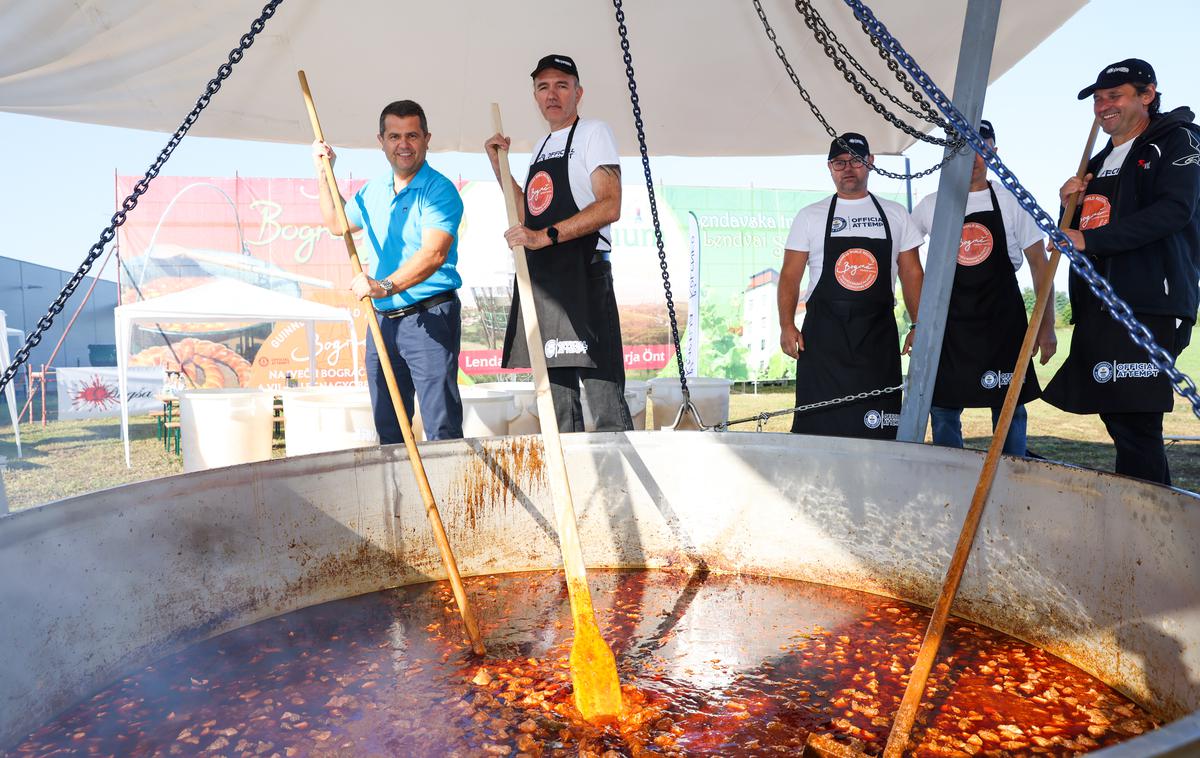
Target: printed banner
[(92, 392), (268, 232)]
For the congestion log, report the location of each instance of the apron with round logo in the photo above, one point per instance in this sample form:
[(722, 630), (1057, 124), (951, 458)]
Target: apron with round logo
[(850, 340), (558, 273), (986, 320), (1105, 372)]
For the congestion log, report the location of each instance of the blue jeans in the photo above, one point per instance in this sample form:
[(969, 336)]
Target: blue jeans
[(423, 348), (947, 428)]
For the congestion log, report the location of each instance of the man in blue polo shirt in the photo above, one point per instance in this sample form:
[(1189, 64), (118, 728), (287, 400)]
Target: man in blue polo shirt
[(411, 216)]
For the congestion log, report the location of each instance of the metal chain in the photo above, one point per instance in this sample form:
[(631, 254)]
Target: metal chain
[(932, 113), (130, 202), (1083, 267), (658, 237), (762, 417), (829, 41), (804, 95)]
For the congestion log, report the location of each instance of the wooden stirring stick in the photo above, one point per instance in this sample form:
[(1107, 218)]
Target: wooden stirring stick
[(906, 715), (389, 375), (593, 667)]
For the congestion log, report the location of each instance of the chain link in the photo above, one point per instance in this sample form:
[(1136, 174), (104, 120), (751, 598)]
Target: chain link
[(804, 95), (658, 237), (765, 415), (130, 202), (843, 61), (1081, 264)]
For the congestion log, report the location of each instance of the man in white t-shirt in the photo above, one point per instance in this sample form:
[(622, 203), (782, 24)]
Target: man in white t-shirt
[(986, 321), (854, 246), (571, 197)]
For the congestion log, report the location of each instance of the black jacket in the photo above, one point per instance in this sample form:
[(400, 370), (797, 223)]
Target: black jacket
[(1150, 250)]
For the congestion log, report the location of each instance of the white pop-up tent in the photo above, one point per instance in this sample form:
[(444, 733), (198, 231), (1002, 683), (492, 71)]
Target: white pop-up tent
[(222, 300), (9, 391)]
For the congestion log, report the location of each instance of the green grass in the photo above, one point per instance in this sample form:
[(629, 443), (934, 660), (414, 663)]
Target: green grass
[(66, 458)]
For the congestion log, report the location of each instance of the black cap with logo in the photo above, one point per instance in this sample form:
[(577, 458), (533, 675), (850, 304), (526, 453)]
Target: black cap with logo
[(563, 63), (1128, 71), (857, 142), (986, 130)]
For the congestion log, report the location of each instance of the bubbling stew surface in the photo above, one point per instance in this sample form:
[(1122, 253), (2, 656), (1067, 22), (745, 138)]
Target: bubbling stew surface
[(710, 665)]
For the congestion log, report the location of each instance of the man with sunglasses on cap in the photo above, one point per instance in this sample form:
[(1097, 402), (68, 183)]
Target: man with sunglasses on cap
[(571, 197), (986, 320), (853, 245), (1140, 225)]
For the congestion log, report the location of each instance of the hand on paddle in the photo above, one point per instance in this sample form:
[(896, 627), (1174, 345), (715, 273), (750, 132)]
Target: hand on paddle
[(526, 237), (492, 147), (321, 150), (791, 341)]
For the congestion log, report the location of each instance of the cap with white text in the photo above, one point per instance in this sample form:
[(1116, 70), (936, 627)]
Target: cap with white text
[(1128, 71)]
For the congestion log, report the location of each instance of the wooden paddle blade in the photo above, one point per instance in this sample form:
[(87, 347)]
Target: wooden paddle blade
[(594, 674)]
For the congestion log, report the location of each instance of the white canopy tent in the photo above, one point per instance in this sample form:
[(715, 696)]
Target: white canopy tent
[(222, 300), (10, 391), (709, 80)]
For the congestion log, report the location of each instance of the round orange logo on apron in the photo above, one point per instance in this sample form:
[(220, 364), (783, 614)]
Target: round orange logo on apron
[(856, 269), (975, 245), (539, 193), (1096, 210)]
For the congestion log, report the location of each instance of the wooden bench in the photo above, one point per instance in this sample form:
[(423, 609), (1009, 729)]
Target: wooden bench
[(172, 434)]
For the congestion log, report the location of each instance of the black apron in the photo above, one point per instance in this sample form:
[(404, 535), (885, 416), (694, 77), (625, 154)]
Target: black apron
[(558, 273), (986, 321), (850, 340), (1105, 372)]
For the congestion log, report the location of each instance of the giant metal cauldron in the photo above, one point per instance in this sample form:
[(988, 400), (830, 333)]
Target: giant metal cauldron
[(1100, 570)]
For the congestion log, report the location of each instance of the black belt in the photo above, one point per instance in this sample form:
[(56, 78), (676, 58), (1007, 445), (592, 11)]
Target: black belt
[(421, 305), (598, 257)]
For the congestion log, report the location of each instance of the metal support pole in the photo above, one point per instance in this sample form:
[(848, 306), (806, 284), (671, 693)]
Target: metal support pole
[(970, 86)]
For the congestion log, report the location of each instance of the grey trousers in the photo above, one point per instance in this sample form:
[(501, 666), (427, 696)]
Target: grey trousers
[(604, 385)]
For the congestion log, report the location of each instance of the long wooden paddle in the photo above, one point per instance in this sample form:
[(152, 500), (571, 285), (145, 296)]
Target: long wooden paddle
[(389, 375), (906, 715), (593, 667)]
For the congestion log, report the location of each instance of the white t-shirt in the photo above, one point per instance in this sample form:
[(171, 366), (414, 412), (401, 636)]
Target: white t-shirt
[(1112, 163), (852, 218), (593, 146), (1019, 227)]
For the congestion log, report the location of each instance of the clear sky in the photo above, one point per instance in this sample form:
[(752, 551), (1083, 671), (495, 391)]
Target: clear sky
[(59, 193)]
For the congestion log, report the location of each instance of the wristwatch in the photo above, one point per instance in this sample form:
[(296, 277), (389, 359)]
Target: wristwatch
[(387, 286), (552, 233)]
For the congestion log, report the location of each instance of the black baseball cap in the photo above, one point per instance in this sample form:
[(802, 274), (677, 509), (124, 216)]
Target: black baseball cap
[(563, 63), (857, 142), (986, 130), (1128, 71)]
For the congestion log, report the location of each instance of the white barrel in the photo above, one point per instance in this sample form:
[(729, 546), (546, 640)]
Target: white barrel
[(224, 427), (710, 395), (486, 413), (524, 399), (322, 419)]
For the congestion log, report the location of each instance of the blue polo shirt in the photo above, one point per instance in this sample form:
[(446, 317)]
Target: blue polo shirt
[(394, 223)]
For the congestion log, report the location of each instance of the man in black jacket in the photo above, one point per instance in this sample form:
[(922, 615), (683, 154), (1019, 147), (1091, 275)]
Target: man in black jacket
[(1140, 225)]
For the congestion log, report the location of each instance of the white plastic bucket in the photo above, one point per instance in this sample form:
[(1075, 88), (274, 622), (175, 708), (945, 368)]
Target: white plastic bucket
[(524, 398), (224, 427), (635, 398), (486, 413), (321, 419), (710, 395)]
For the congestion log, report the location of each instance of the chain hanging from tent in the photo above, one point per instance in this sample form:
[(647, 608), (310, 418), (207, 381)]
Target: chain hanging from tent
[(1081, 265), (952, 150), (658, 237), (130, 202), (843, 61)]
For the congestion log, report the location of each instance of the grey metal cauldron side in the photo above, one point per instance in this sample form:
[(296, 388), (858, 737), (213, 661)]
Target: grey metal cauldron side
[(1097, 569)]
